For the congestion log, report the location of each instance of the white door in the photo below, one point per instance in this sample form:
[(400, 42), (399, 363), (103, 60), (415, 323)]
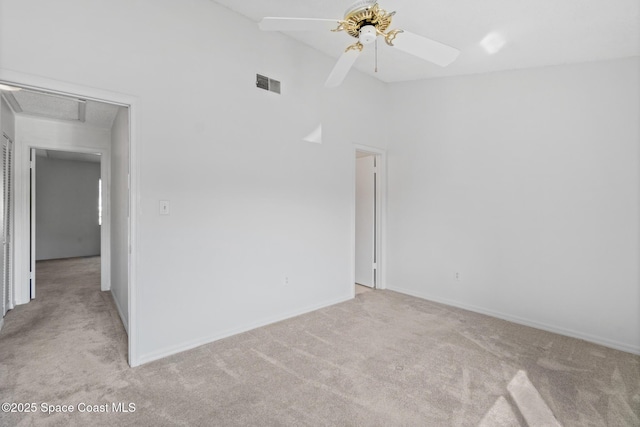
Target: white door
[(365, 220)]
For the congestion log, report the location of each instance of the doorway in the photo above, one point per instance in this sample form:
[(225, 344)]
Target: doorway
[(369, 201), (52, 117), (66, 211)]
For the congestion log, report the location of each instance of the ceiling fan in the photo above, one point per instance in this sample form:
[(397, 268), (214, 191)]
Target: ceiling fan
[(365, 21)]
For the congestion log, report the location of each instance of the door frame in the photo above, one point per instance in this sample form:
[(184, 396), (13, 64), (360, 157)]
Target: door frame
[(21, 259), (105, 228), (7, 286), (366, 220), (381, 216)]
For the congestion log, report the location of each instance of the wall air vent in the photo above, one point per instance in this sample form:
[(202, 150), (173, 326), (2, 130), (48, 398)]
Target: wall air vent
[(274, 86), (264, 82)]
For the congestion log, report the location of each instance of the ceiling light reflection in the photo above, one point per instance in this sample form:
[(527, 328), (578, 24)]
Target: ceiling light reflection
[(493, 42)]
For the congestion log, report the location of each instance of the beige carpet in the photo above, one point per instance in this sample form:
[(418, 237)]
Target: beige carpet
[(382, 359), (362, 289)]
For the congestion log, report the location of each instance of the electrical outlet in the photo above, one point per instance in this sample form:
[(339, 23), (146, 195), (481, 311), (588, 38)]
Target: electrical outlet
[(286, 280), (458, 276)]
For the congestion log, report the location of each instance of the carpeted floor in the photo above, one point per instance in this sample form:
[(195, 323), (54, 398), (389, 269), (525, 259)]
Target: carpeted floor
[(362, 289), (381, 359)]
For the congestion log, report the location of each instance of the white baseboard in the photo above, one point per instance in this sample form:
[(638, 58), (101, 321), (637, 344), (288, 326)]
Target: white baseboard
[(125, 319), (150, 357), (1, 323), (523, 321)]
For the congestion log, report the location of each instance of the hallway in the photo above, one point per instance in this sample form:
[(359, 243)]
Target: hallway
[(70, 336)]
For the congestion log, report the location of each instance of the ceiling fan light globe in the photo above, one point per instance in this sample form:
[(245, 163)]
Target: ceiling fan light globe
[(368, 34)]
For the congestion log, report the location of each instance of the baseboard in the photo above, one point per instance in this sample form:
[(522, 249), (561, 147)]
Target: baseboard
[(160, 354), (523, 321), (1, 323), (125, 319)]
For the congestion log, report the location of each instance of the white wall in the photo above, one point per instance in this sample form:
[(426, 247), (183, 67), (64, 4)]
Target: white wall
[(120, 213), (41, 132), (527, 183), (33, 132), (251, 203), (66, 208)]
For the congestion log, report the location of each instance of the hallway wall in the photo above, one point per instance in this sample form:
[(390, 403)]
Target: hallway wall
[(66, 208), (120, 213)]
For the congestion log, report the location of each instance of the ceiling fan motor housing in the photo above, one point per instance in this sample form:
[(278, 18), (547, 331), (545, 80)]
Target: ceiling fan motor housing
[(363, 14), (368, 34)]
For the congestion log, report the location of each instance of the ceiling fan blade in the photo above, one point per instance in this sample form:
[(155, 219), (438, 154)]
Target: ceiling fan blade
[(427, 49), (297, 24), (342, 67)]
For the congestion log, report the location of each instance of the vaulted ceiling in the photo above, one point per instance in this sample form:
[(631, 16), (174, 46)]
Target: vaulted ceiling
[(533, 33)]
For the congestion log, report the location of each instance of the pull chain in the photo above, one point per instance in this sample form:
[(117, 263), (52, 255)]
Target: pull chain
[(376, 54)]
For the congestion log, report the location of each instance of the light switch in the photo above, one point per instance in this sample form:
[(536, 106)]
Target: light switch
[(164, 207)]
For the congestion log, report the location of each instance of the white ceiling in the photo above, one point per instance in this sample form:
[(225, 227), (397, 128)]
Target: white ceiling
[(69, 155), (537, 32), (55, 107), (59, 107)]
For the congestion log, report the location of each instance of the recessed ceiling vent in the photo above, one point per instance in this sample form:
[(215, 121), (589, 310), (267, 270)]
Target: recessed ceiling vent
[(264, 82)]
